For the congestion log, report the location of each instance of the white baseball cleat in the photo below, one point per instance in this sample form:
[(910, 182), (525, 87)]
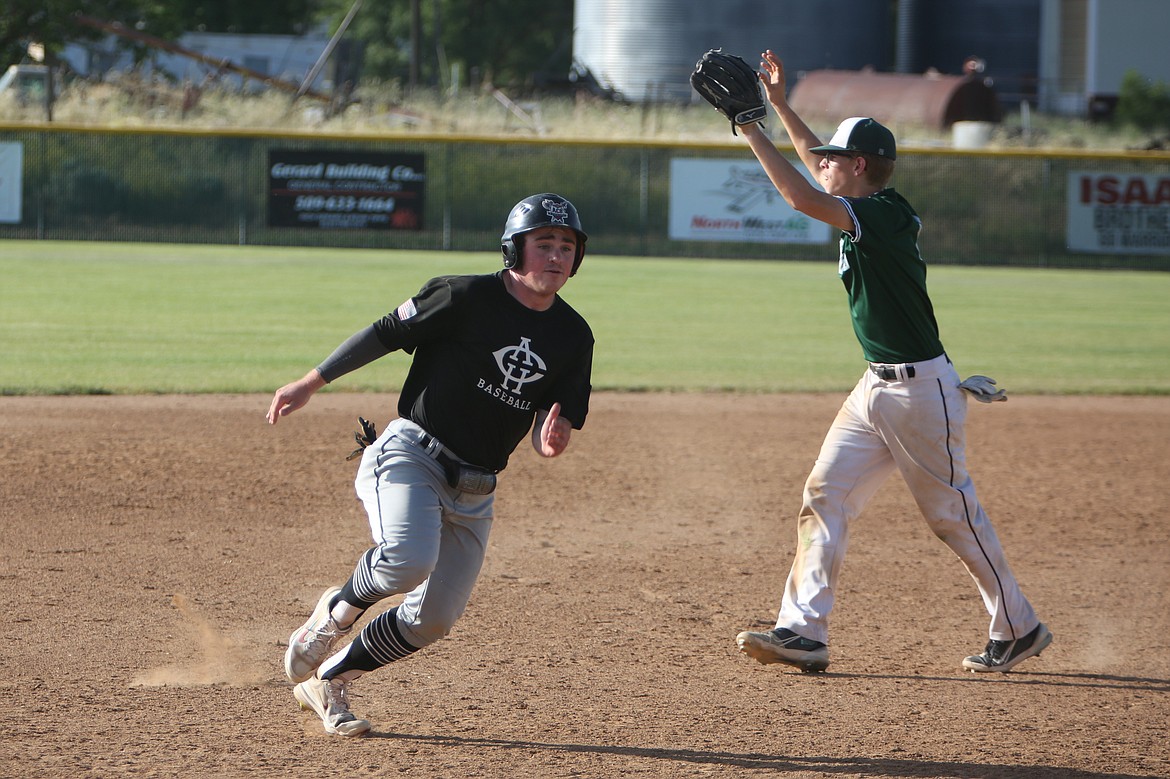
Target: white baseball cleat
[(330, 700), (311, 643), (1001, 656)]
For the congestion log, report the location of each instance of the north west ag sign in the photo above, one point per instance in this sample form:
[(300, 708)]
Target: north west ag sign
[(1118, 213), (728, 200)]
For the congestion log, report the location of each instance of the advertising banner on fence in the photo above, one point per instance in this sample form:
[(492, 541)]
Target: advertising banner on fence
[(730, 200), (345, 190), (1118, 213), (11, 181)]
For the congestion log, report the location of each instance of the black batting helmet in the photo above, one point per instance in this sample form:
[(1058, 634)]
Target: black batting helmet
[(546, 210)]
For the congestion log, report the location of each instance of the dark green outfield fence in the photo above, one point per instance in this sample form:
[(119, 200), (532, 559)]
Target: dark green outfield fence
[(986, 208)]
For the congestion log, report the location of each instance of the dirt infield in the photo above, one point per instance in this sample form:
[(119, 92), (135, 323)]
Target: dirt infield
[(158, 551)]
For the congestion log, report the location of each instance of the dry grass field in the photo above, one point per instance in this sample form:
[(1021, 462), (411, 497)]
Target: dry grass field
[(132, 102)]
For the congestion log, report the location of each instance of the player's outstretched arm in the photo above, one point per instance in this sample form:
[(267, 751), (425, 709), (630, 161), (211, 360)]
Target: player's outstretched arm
[(550, 433), (793, 186), (803, 138), (796, 190), (292, 396)]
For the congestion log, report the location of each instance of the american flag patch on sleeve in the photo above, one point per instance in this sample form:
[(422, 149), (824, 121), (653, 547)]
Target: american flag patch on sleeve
[(407, 310)]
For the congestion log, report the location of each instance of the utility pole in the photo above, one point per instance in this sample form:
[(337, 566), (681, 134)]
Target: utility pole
[(415, 40)]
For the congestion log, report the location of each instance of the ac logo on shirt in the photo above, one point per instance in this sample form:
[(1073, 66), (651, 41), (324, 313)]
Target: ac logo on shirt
[(519, 364)]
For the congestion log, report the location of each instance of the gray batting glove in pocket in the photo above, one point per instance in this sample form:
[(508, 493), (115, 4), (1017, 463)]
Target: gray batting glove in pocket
[(982, 388)]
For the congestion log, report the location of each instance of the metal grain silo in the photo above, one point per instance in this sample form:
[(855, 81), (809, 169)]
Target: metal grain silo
[(645, 50), (1004, 33)]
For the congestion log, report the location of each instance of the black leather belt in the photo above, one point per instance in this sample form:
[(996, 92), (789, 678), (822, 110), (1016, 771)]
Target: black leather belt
[(890, 373), (426, 441), (460, 475)]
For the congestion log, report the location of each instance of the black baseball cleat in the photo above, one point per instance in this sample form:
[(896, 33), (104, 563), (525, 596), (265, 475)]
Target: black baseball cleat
[(783, 646), (1001, 656)]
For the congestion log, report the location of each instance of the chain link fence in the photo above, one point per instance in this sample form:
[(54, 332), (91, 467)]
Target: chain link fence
[(979, 207)]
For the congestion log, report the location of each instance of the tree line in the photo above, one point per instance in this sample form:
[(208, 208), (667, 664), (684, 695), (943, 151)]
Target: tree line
[(413, 42)]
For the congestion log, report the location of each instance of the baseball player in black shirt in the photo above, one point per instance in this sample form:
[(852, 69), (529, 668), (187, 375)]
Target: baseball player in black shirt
[(495, 357)]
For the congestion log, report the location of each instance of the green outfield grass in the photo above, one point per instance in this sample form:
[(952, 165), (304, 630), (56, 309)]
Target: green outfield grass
[(147, 318)]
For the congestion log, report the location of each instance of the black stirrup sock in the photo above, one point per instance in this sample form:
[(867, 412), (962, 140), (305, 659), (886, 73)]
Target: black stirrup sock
[(379, 643)]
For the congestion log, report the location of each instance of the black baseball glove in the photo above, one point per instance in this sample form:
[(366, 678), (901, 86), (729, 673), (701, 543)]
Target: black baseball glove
[(364, 437), (732, 86)]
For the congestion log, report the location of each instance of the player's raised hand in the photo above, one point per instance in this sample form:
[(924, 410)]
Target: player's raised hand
[(772, 76), (551, 433)]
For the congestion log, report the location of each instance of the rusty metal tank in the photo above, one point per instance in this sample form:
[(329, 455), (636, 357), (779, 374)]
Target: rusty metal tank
[(930, 99)]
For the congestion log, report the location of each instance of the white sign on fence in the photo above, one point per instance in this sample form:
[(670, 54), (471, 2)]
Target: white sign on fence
[(1118, 213), (11, 182), (730, 200)]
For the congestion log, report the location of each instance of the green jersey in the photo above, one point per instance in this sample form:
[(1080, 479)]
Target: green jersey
[(885, 277)]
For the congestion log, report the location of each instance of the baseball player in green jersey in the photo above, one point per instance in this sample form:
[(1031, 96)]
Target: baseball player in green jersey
[(906, 413)]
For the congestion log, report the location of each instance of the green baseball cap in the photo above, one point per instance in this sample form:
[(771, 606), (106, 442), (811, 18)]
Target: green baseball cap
[(860, 134)]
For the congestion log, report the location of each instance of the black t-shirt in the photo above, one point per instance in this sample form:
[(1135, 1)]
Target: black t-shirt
[(484, 364)]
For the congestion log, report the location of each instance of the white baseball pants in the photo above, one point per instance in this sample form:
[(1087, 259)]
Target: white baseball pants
[(916, 426)]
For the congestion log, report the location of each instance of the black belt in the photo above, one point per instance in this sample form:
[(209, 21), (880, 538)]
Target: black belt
[(460, 475), (426, 440), (890, 373)]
